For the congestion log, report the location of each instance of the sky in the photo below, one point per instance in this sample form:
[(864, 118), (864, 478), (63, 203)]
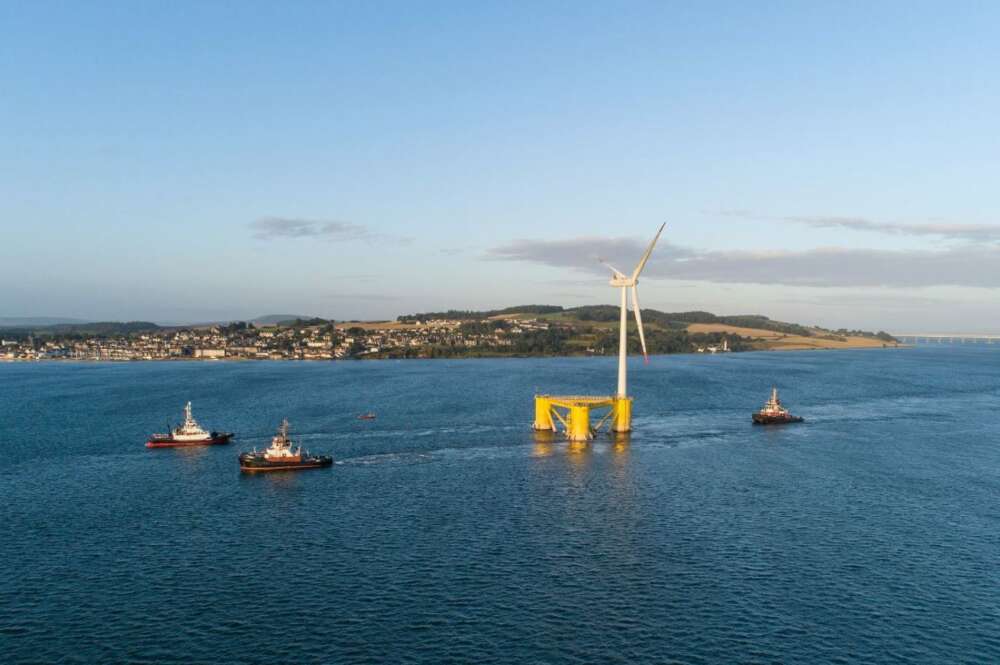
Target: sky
[(823, 163)]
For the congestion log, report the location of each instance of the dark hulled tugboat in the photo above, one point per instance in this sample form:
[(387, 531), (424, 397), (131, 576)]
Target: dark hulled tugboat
[(188, 434), (773, 413), (280, 456)]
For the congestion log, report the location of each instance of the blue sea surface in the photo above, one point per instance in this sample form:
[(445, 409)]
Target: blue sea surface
[(445, 533)]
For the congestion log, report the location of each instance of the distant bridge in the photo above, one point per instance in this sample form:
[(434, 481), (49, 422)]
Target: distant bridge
[(946, 338)]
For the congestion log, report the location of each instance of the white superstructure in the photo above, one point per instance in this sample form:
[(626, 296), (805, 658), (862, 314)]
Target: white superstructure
[(190, 430), (281, 446), (773, 406)]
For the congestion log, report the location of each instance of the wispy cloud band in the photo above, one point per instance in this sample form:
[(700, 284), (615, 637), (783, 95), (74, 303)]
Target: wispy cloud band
[(820, 267), (267, 228), (968, 232), (273, 228)]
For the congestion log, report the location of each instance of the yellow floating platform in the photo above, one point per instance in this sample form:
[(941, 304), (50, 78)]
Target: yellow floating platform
[(573, 413)]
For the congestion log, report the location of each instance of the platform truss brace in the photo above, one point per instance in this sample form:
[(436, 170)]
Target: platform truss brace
[(571, 415)]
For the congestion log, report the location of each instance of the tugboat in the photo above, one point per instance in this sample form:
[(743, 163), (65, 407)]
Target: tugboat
[(773, 413), (188, 434), (280, 456)]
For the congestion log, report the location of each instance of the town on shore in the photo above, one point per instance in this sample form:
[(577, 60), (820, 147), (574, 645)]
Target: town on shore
[(534, 330)]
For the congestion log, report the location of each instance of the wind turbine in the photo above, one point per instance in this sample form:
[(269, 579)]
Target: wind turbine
[(573, 411), (629, 283)]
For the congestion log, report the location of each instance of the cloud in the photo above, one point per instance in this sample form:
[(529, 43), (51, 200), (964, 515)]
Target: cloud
[(968, 232), (458, 250), (584, 253), (361, 296), (573, 295), (287, 227), (820, 267), (975, 232), (873, 300), (272, 228), (354, 277)]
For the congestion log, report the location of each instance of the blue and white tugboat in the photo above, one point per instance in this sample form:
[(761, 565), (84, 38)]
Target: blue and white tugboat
[(774, 413), (282, 456)]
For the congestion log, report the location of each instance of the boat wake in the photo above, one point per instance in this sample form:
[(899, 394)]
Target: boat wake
[(403, 458)]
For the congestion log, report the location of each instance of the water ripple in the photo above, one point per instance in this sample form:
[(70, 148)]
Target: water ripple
[(446, 532)]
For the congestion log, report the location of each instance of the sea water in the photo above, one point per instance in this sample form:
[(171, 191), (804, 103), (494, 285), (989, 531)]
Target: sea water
[(446, 532)]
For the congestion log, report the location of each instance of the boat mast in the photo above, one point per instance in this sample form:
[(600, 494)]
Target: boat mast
[(281, 441)]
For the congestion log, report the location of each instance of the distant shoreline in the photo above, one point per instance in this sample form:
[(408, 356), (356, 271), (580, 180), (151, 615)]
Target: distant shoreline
[(769, 340), (887, 347), (528, 331)]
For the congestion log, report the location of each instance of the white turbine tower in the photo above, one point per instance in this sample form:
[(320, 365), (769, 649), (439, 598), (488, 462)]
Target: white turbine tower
[(626, 283)]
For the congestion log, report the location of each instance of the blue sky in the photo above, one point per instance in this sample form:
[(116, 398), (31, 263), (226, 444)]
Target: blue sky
[(822, 163)]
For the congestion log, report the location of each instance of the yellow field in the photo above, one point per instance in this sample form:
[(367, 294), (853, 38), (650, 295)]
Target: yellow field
[(769, 339)]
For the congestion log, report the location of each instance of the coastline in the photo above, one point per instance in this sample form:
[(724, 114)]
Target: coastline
[(770, 340), (468, 357)]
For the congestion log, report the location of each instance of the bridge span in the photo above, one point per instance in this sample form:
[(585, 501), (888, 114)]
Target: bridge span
[(946, 338)]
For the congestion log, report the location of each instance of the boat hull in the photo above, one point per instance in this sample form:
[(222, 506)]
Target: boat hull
[(257, 465), (215, 440), (760, 419)]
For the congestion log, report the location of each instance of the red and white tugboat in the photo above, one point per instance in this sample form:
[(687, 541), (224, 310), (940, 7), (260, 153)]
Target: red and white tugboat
[(188, 434), (281, 456), (773, 413)]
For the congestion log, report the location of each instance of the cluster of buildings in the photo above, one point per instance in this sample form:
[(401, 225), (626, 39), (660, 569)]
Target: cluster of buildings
[(297, 342), (715, 348)]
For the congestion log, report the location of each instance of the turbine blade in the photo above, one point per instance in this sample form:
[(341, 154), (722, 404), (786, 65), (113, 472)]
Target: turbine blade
[(615, 270), (638, 322), (645, 257)]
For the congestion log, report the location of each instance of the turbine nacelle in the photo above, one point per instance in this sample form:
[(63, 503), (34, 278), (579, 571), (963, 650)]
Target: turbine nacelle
[(618, 278)]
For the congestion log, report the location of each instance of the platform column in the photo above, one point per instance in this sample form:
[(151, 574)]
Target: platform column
[(622, 418), (543, 414), (579, 423)]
